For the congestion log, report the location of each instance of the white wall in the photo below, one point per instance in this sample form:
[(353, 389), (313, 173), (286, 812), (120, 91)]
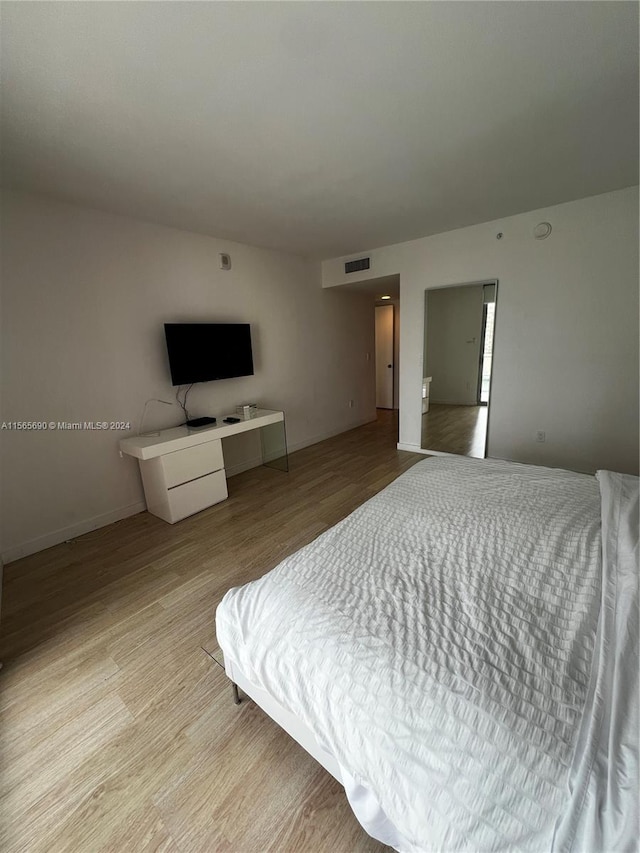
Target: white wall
[(85, 295), (566, 341), (453, 336)]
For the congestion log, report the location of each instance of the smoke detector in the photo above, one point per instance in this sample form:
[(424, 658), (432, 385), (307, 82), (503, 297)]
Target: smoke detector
[(542, 230)]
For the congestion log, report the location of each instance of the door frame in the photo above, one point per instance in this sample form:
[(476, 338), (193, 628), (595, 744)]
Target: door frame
[(484, 282)]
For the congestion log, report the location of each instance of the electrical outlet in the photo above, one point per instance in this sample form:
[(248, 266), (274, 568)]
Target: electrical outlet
[(541, 435)]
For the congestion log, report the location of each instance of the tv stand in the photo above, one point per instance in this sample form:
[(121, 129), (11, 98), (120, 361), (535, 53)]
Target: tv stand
[(183, 469)]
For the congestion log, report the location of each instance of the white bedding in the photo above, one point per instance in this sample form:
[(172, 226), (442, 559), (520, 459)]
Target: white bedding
[(439, 643), (602, 813)]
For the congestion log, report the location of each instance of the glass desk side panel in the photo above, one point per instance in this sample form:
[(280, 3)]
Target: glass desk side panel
[(273, 438)]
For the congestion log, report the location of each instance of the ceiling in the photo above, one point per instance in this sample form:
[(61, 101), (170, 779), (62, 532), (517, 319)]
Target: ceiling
[(319, 128), (386, 285)]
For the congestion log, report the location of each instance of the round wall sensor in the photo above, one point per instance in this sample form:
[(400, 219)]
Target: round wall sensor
[(542, 230)]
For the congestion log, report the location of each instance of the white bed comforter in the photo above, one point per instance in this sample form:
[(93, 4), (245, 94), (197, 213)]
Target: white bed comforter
[(439, 642)]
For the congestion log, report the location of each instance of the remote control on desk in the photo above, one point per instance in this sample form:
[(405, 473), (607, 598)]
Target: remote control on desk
[(232, 420)]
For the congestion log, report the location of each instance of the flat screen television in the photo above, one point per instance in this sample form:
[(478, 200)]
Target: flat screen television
[(201, 352)]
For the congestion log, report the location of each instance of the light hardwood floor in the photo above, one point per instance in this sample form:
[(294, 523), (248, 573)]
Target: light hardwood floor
[(455, 429), (117, 730)]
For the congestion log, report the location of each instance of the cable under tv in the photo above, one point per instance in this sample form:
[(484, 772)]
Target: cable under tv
[(197, 423)]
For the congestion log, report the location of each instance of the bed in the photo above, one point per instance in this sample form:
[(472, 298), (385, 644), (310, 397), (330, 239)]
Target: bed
[(461, 653)]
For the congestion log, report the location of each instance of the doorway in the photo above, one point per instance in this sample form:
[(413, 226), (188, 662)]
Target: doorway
[(459, 332), (383, 391)]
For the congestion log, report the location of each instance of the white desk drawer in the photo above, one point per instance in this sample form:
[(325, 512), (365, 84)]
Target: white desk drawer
[(184, 465), (197, 495)]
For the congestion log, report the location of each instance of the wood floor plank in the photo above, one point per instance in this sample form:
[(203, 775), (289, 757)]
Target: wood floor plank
[(455, 429), (29, 781), (322, 822), (143, 832), (117, 731), (37, 716)]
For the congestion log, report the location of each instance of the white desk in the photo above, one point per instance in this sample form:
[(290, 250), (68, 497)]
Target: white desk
[(183, 469)]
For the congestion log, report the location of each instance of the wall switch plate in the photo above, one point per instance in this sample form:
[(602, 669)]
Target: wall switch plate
[(540, 435)]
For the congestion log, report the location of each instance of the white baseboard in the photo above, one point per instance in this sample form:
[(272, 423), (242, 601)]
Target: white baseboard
[(254, 462), (66, 533), (415, 448), (444, 453), (322, 436), (412, 448), (453, 403)]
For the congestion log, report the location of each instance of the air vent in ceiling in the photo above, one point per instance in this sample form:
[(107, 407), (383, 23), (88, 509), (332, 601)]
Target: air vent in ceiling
[(356, 266)]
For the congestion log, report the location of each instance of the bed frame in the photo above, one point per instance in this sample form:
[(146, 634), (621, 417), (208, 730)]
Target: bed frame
[(284, 718)]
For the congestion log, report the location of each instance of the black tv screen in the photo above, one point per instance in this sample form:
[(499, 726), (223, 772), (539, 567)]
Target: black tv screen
[(200, 352)]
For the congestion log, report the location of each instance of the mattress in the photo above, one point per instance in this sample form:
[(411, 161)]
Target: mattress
[(443, 643)]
